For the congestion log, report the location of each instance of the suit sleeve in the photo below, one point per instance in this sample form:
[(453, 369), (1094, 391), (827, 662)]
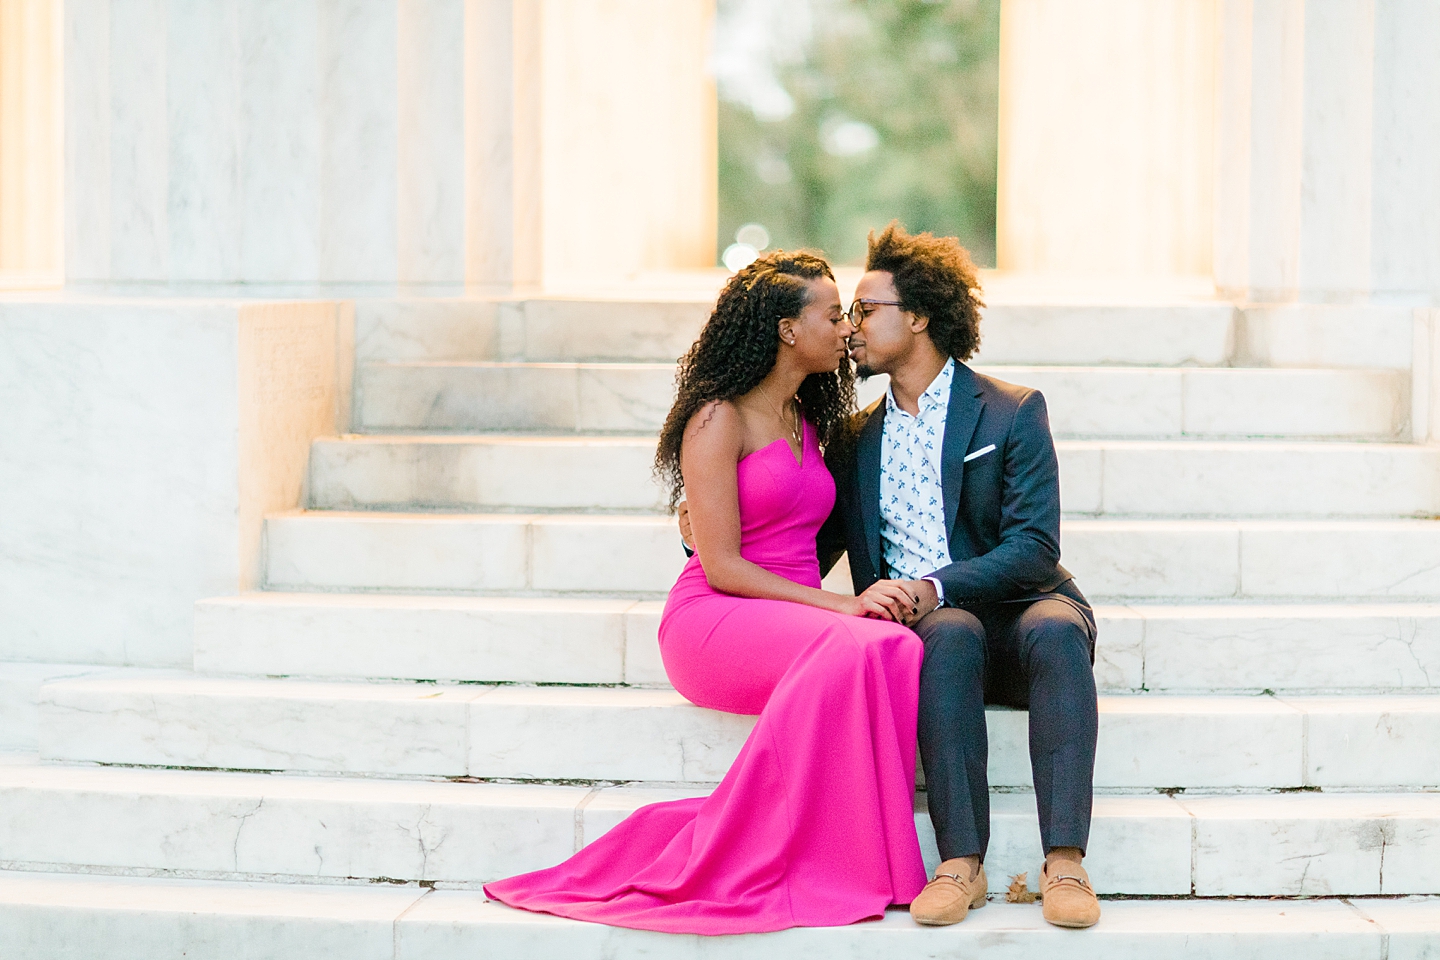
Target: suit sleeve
[(1029, 549), (830, 540)]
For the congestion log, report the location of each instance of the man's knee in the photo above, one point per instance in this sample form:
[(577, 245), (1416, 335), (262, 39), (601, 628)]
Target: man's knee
[(1054, 634), (954, 641)]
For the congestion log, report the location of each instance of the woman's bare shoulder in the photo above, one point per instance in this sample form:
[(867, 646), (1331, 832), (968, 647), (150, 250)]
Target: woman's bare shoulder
[(718, 422)]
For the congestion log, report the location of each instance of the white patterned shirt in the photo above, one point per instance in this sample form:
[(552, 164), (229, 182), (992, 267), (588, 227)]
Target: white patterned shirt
[(912, 508)]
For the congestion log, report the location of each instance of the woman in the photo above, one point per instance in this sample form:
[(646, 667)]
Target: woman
[(813, 825)]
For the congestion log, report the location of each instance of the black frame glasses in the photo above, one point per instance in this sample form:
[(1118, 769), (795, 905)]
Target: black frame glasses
[(855, 316)]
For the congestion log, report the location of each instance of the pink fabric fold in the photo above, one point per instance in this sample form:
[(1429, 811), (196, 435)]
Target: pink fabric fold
[(813, 825)]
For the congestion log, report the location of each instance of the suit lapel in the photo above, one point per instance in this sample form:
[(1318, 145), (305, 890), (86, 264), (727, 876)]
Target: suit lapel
[(867, 461), (961, 417)]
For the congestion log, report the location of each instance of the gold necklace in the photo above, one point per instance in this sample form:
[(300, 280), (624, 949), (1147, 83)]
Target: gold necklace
[(795, 430)]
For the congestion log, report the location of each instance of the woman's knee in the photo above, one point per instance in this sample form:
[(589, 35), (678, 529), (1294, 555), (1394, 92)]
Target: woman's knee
[(868, 636)]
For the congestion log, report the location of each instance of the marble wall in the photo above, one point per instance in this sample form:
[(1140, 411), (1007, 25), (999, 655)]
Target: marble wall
[(427, 143), (142, 440)]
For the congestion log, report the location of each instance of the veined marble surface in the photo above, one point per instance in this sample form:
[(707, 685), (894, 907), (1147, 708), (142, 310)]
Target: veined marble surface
[(120, 475), (600, 733), (433, 142), (142, 442)]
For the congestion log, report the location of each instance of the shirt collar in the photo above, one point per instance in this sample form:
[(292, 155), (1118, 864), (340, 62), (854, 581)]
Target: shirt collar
[(937, 394)]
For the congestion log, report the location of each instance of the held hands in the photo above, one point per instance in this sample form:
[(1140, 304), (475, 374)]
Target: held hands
[(903, 601), (925, 590)]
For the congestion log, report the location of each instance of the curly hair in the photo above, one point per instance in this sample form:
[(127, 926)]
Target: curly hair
[(737, 348), (935, 279)]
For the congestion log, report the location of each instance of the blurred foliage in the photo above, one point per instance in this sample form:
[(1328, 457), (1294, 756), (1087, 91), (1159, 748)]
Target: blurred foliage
[(923, 76)]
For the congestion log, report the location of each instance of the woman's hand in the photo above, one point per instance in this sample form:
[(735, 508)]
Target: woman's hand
[(886, 600), (686, 536)]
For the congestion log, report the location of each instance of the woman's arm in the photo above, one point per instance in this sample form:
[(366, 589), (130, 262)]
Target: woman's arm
[(709, 455)]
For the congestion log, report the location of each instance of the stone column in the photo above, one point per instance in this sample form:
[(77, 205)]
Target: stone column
[(291, 145), (1105, 137), (30, 141), (1324, 181), (1328, 160)]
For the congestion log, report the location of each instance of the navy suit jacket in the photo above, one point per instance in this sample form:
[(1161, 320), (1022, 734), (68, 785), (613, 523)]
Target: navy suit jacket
[(1002, 508)]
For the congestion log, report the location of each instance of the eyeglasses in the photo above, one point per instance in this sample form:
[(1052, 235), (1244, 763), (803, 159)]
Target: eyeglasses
[(856, 314)]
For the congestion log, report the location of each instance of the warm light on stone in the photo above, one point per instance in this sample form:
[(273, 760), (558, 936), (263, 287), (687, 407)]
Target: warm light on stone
[(30, 140), (1106, 128)]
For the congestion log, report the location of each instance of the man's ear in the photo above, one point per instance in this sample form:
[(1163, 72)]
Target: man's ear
[(918, 323)]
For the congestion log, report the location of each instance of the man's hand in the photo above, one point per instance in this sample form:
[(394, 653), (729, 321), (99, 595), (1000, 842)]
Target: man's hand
[(686, 537), (906, 601), (886, 600), (927, 600)]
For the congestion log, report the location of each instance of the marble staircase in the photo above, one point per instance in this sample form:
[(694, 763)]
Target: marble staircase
[(451, 673)]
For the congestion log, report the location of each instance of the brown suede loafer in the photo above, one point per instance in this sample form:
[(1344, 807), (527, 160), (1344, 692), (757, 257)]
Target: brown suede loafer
[(947, 898), (1065, 895)]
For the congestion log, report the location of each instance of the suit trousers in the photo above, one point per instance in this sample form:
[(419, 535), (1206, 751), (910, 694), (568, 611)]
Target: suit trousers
[(1033, 655)]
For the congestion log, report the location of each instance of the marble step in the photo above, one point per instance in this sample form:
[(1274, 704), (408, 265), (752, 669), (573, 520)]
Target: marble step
[(383, 636), (662, 326), (274, 828), (483, 472), (1135, 402), (20, 697), (66, 917), (1109, 478), (655, 327), (1020, 326), (165, 718), (640, 555), (1231, 648)]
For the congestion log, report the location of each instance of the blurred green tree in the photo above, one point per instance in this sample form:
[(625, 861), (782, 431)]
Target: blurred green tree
[(838, 115)]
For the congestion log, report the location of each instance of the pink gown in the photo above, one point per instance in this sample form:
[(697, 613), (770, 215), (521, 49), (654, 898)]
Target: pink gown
[(814, 823)]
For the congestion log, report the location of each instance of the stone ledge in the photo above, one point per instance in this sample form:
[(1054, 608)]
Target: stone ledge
[(620, 734), (94, 918), (1359, 648)]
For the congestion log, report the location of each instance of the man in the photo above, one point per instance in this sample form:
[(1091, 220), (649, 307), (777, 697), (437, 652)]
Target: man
[(951, 486)]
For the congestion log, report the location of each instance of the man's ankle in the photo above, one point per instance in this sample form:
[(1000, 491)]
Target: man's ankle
[(1068, 854), (961, 866)]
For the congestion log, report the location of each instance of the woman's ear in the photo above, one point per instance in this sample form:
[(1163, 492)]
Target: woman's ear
[(787, 330)]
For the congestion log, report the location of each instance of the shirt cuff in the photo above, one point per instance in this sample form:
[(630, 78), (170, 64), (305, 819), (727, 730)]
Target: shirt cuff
[(939, 591)]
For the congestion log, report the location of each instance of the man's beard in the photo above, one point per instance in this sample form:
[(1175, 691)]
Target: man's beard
[(864, 372)]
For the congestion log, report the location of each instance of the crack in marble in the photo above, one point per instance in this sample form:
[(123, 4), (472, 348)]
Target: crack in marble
[(1410, 646), (426, 846), (243, 819), (1411, 576), (1384, 842)]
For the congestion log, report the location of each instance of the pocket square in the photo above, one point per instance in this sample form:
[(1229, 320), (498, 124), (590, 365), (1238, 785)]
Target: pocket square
[(979, 453)]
